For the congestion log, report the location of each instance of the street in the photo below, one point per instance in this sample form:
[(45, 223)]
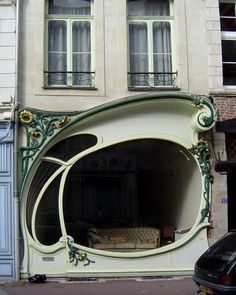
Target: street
[(168, 286)]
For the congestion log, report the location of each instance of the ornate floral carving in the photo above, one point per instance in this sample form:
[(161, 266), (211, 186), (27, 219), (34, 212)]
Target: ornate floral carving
[(26, 117), (39, 128), (207, 114), (75, 254), (201, 151)]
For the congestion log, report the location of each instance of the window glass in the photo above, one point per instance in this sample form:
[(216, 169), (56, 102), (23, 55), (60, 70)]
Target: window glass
[(138, 52), (57, 52), (228, 24), (71, 146), (161, 37), (81, 32), (148, 7), (227, 13), (77, 7), (227, 9), (138, 47), (229, 74), (47, 223), (115, 187), (162, 53), (220, 255), (228, 50), (44, 171)]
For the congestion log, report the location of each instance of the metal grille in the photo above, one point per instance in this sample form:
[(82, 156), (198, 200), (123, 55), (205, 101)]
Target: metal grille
[(154, 79)]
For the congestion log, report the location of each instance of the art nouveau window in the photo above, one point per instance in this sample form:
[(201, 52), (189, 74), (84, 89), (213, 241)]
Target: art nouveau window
[(150, 43), (69, 51), (135, 184)]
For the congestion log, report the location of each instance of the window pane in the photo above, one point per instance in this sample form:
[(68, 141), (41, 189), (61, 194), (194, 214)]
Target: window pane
[(227, 9), (81, 53), (163, 69), (81, 36), (228, 24), (47, 223), (220, 255), (229, 50), (44, 171), (227, 13), (138, 47), (148, 7), (229, 74), (57, 52), (71, 146), (139, 63), (161, 37), (138, 38), (162, 58), (79, 7), (57, 36)]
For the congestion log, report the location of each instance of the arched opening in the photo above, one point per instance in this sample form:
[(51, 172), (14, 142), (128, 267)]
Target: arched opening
[(126, 190), (131, 196)]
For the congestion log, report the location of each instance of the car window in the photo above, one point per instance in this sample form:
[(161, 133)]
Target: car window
[(220, 255)]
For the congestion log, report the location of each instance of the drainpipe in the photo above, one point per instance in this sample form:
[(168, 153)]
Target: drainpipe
[(16, 197)]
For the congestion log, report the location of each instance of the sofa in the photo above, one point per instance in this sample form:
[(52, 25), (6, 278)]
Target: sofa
[(124, 239)]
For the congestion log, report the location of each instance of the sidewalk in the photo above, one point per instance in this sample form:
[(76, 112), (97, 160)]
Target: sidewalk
[(170, 286)]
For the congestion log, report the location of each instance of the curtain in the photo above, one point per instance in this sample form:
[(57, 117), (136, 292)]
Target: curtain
[(75, 7), (150, 44), (57, 52), (162, 59), (148, 7), (138, 47), (81, 52)]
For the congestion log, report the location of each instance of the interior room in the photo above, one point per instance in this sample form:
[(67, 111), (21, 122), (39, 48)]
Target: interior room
[(136, 186)]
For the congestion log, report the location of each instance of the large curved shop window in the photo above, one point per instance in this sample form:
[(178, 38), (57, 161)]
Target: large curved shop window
[(138, 184)]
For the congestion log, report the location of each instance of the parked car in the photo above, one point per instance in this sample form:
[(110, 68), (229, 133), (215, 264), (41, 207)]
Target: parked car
[(215, 270)]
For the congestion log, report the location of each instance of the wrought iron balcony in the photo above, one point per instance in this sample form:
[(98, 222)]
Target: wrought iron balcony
[(152, 79), (69, 79)]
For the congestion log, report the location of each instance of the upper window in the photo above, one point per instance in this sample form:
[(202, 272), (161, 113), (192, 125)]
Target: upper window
[(228, 34), (69, 51), (150, 43)]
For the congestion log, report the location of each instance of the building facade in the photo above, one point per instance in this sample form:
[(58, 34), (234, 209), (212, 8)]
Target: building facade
[(126, 134)]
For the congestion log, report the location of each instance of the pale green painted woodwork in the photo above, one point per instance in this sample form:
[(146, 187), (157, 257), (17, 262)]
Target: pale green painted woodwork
[(173, 117)]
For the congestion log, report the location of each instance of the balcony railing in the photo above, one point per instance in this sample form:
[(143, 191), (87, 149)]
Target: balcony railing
[(69, 79), (152, 79)]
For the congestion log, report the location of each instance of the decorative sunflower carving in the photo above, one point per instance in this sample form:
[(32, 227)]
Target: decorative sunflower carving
[(26, 117)]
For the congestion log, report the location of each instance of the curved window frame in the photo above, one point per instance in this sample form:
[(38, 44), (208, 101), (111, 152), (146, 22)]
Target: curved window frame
[(65, 168)]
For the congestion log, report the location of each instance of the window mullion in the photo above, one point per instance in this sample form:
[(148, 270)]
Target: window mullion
[(46, 48), (150, 47), (150, 53), (69, 51), (92, 69)]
